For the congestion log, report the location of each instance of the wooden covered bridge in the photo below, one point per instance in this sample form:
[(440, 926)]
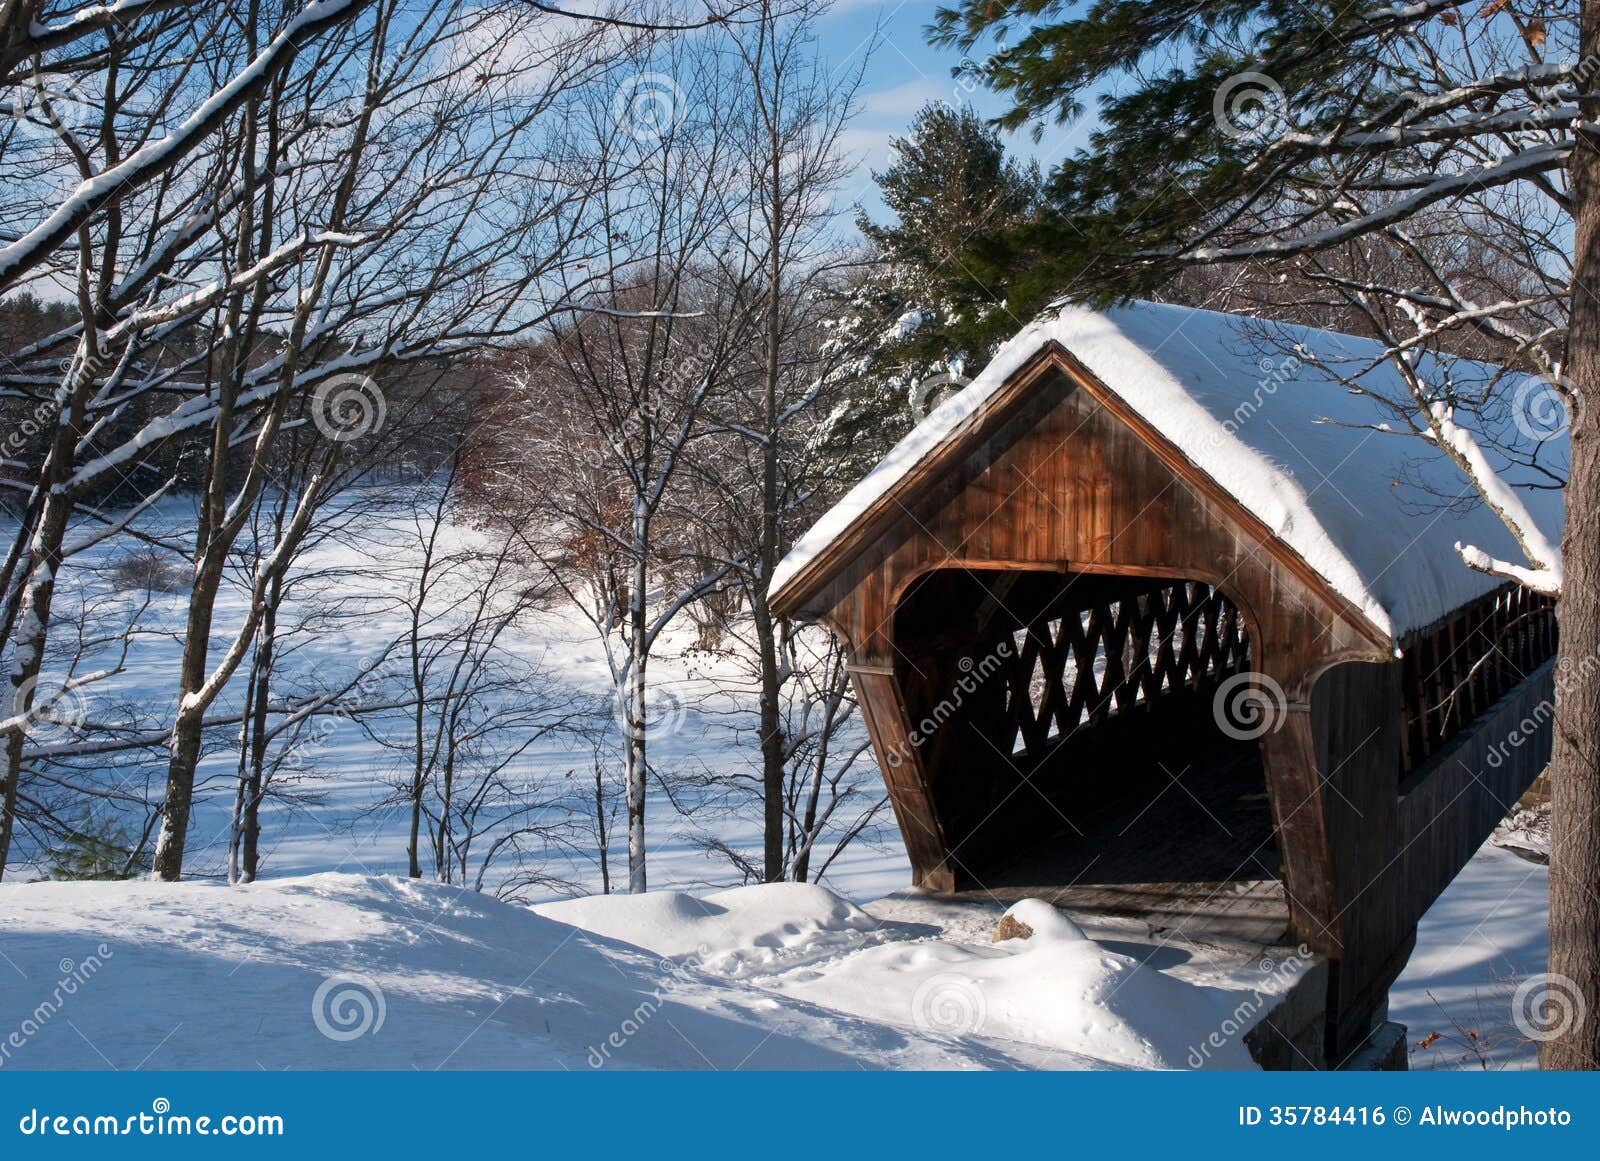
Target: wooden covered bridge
[(1154, 619)]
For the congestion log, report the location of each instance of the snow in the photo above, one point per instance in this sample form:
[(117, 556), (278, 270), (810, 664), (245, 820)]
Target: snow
[(338, 971), (788, 975), (771, 919), (1057, 990), (348, 971), (353, 823), (202, 976), (1487, 933), (1376, 515)]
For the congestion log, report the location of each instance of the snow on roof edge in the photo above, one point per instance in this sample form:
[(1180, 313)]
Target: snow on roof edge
[(1189, 417)]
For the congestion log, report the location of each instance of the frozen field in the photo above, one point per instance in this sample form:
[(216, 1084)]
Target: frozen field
[(345, 816)]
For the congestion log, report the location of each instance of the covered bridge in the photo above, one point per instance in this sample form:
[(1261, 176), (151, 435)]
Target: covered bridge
[(1154, 618)]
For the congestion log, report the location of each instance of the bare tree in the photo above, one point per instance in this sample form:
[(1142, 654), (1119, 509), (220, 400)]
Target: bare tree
[(608, 407), (344, 196), (761, 464), (473, 705)]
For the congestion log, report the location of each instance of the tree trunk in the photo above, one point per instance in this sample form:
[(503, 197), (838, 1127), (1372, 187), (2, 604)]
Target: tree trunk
[(419, 732), (819, 771), (242, 777), (772, 755), (188, 726), (44, 566), (1573, 994), (636, 719), (255, 784), (600, 828)]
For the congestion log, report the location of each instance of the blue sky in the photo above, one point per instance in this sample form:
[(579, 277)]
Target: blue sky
[(903, 74)]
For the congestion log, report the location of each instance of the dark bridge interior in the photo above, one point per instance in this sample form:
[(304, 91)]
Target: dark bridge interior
[(1071, 741)]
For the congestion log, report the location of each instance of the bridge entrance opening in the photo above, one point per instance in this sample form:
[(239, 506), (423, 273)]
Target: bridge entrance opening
[(1090, 739)]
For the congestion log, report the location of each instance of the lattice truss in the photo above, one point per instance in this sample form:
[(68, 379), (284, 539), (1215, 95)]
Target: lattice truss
[(1453, 672), (1089, 663)]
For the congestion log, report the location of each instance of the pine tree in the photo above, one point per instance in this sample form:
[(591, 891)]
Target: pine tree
[(934, 307)]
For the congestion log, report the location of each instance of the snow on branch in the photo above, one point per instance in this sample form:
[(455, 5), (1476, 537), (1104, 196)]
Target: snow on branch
[(1463, 447), (155, 157), (1540, 580), (1515, 168)]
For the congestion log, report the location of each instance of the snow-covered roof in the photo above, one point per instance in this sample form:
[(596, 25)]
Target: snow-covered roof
[(1259, 407)]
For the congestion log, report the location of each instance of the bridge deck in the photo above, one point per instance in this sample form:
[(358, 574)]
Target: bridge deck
[(1188, 848)]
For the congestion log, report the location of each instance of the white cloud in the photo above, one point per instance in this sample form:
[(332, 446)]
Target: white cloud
[(905, 99)]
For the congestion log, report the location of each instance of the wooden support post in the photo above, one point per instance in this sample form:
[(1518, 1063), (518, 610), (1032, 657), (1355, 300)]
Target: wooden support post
[(902, 762)]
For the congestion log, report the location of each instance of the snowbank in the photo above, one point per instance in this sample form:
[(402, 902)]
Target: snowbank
[(1484, 937), (346, 971), (1058, 989), (740, 932)]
